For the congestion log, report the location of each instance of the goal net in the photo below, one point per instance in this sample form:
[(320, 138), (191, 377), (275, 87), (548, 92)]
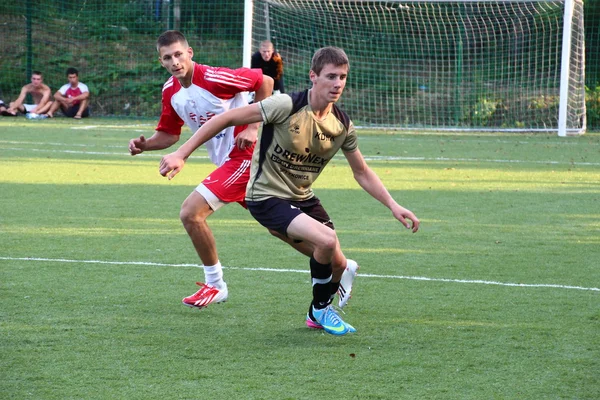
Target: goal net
[(439, 64)]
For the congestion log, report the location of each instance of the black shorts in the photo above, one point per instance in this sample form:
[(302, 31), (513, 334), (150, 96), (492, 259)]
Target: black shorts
[(72, 111), (277, 214)]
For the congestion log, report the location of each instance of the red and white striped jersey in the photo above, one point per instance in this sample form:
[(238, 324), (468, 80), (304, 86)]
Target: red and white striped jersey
[(213, 91)]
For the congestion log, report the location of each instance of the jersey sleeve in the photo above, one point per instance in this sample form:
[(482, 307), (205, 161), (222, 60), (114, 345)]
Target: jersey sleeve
[(278, 66), (83, 87), (226, 83), (169, 121), (276, 109), (351, 142), (63, 89)]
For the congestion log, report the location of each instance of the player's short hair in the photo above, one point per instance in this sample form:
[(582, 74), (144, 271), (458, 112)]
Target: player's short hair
[(167, 38), (328, 55), (71, 71), (36, 73), (267, 44)]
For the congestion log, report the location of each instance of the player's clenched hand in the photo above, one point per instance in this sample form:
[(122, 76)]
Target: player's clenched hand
[(246, 138), (137, 145), (402, 215), (171, 164)]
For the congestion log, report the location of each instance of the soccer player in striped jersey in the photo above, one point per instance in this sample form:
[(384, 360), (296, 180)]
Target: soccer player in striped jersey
[(301, 134), (194, 94)]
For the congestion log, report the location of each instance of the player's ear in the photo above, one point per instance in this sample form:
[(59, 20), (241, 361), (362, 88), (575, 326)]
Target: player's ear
[(190, 52), (160, 57), (313, 76)]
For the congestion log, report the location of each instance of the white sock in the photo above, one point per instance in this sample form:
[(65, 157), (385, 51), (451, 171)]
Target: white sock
[(214, 275)]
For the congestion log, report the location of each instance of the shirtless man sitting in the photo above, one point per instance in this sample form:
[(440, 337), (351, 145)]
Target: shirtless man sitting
[(40, 92)]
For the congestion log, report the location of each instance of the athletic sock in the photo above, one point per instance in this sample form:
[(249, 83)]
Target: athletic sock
[(321, 283), (334, 288), (213, 274)]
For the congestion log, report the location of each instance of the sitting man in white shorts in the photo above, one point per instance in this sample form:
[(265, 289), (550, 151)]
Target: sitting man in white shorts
[(39, 91)]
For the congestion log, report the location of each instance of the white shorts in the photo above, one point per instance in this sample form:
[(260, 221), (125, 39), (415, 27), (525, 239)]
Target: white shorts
[(29, 107), (213, 201)]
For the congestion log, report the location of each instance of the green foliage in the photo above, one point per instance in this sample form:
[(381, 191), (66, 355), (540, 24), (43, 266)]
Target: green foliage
[(112, 45), (482, 111), (592, 103), (592, 56)]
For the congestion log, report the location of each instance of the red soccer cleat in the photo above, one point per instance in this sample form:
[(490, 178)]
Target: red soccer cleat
[(207, 294)]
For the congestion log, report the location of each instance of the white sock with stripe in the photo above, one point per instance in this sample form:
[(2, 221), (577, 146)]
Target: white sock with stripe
[(213, 274)]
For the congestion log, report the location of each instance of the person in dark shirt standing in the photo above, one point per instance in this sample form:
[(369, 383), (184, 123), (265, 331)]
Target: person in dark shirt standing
[(271, 64)]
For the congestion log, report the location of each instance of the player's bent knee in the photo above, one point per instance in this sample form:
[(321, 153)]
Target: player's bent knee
[(189, 215), (194, 209), (329, 241)]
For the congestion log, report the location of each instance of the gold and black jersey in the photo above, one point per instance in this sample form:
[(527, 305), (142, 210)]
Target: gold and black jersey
[(295, 146)]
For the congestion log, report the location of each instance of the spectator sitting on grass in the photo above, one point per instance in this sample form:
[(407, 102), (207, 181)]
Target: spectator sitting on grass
[(72, 98), (39, 91)]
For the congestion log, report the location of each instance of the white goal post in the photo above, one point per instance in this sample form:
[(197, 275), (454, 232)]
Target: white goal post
[(497, 65)]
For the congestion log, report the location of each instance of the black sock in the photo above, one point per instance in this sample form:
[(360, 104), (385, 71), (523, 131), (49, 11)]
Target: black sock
[(321, 277), (310, 314), (334, 288)]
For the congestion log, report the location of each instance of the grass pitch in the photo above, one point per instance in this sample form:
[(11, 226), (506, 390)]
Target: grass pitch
[(496, 297)]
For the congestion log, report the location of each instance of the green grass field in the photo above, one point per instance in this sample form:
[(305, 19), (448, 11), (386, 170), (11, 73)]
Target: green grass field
[(496, 297)]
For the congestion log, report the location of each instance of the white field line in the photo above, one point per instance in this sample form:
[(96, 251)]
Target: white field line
[(64, 144), (397, 158), (450, 140), (414, 278), (116, 127), (339, 157), (104, 153), (363, 138)]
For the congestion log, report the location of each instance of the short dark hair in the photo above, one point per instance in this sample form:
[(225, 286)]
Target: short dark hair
[(328, 55), (167, 38), (71, 71), (36, 73)]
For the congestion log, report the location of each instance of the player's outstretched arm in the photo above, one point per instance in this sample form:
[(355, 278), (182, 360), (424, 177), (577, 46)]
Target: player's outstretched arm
[(171, 164), (160, 140), (371, 183), (19, 101), (248, 136), (265, 90)]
